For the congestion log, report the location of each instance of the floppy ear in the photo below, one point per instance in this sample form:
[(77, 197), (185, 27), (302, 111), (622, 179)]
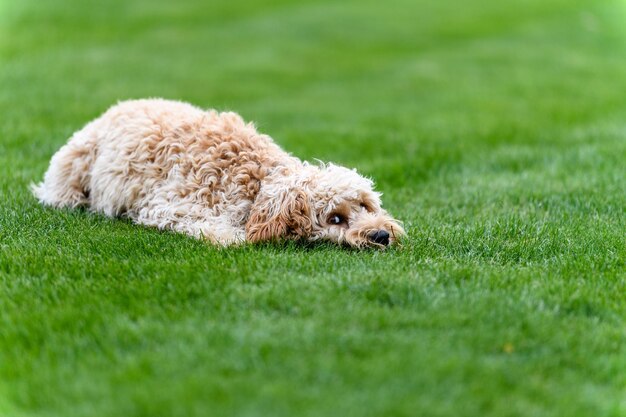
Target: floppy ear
[(279, 212)]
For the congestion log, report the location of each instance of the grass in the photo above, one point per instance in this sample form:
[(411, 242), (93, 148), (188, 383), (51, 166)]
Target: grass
[(495, 129)]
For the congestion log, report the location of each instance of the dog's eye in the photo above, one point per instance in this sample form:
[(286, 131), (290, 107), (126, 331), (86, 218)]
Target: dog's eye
[(336, 219)]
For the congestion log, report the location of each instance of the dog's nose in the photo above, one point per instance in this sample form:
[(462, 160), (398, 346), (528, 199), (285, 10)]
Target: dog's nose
[(380, 236)]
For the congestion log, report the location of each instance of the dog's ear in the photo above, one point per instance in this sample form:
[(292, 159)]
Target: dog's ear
[(279, 212)]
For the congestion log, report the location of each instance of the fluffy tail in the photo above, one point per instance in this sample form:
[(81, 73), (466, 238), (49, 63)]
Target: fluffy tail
[(66, 181)]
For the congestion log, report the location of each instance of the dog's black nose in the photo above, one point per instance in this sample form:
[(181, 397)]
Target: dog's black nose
[(380, 236)]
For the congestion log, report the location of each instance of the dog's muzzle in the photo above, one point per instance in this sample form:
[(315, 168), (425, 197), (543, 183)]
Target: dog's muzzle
[(380, 237)]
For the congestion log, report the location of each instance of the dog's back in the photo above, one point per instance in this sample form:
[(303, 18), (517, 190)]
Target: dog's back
[(158, 149)]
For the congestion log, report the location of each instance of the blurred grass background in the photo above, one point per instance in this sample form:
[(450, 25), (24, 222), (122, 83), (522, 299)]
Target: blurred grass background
[(496, 131)]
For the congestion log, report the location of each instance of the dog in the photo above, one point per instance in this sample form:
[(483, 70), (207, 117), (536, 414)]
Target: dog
[(210, 175)]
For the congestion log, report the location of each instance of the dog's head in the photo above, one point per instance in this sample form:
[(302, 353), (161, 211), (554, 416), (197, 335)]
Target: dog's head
[(321, 203)]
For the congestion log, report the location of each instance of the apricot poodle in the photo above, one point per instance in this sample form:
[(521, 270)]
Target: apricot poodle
[(210, 175)]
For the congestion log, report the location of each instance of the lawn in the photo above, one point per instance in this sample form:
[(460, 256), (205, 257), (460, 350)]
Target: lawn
[(496, 130)]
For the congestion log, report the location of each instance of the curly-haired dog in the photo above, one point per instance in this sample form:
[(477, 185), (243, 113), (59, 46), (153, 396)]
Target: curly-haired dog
[(210, 175)]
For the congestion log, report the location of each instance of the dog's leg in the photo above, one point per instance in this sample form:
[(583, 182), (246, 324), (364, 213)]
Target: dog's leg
[(216, 229)]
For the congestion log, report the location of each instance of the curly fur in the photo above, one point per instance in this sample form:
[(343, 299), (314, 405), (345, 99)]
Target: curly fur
[(210, 175)]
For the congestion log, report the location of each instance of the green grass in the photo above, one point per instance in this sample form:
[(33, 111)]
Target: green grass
[(496, 130)]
